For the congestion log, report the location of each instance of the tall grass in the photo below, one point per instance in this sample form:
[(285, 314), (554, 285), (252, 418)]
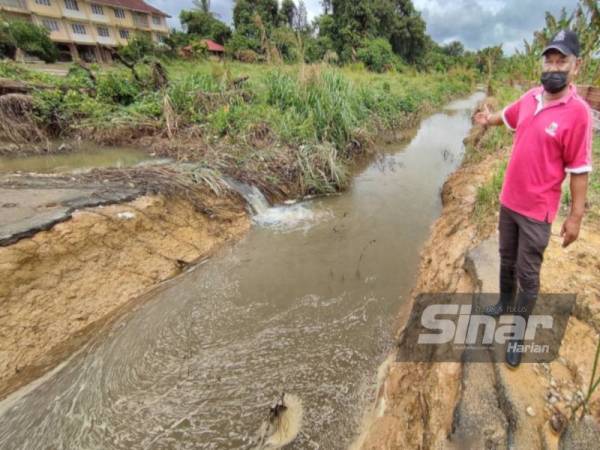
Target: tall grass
[(322, 116), (487, 198)]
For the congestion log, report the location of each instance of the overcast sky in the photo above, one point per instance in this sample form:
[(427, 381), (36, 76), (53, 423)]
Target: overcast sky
[(476, 23)]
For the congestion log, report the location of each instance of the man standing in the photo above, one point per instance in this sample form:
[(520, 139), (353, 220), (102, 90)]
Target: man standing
[(553, 137)]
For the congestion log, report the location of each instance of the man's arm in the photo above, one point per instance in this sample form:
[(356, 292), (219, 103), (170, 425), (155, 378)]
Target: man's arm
[(570, 229), (487, 118)]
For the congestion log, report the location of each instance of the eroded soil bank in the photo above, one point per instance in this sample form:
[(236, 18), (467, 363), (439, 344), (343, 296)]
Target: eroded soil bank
[(486, 405), (60, 284)]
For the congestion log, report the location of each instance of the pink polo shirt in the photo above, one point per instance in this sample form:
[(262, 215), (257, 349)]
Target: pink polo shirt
[(549, 142)]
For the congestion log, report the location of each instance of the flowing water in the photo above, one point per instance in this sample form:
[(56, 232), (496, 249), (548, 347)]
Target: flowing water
[(84, 156), (303, 304)]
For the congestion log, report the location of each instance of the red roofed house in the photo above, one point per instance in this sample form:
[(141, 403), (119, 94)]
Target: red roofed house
[(213, 47)]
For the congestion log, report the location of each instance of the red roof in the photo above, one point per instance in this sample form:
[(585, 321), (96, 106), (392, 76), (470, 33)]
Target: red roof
[(135, 5), (213, 46)]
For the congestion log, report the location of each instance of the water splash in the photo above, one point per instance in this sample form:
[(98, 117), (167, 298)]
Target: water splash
[(291, 218), (257, 202)]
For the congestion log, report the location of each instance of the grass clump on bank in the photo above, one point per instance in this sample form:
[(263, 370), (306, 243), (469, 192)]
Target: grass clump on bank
[(300, 126)]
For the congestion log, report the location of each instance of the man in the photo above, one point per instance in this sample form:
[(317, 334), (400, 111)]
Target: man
[(553, 137)]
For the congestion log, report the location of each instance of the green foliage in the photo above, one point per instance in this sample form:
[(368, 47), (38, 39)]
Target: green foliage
[(315, 49), (376, 55), (138, 47), (117, 86), (29, 37), (7, 43), (204, 25), (486, 200), (240, 42), (287, 13), (286, 43), (396, 21)]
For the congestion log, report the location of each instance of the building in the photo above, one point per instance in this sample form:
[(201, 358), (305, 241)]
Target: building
[(81, 28), (213, 48)]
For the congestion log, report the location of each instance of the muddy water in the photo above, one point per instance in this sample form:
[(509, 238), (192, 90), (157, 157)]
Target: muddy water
[(84, 156), (303, 305)]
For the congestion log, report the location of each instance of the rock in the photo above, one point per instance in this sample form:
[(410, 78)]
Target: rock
[(580, 435), (557, 422), (126, 215), (530, 411)]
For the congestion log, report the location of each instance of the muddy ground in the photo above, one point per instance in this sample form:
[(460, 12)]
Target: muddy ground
[(487, 405), (61, 283)]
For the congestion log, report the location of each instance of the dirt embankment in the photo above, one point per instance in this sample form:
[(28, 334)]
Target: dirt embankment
[(486, 405), (61, 284)]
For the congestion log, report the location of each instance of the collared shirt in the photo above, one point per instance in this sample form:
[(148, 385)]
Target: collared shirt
[(550, 141)]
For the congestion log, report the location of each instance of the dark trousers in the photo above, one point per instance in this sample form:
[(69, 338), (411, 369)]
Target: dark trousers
[(522, 244)]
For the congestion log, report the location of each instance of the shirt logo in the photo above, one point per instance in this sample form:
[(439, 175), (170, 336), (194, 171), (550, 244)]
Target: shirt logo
[(551, 130)]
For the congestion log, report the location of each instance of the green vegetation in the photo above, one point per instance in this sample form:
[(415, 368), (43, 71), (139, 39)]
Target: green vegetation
[(487, 199), (311, 119), (594, 186), (27, 36)]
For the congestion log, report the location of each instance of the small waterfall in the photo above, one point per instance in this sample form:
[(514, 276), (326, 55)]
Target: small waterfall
[(256, 200)]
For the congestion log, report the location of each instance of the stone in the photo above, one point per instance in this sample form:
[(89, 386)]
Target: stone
[(530, 411)]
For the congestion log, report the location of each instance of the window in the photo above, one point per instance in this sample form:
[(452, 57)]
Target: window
[(50, 24), (72, 4), (97, 9), (78, 28), (156, 20), (103, 32), (161, 38), (43, 2), (119, 13), (124, 34)]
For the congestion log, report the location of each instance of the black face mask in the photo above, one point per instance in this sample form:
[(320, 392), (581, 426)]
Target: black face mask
[(554, 82)]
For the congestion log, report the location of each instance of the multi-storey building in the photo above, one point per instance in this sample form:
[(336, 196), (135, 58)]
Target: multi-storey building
[(83, 28)]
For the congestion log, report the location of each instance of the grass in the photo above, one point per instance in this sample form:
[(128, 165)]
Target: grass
[(297, 124), (594, 180), (487, 197)]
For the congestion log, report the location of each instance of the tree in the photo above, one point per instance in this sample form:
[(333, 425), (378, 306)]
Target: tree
[(300, 22), (137, 48), (288, 12), (203, 24), (376, 55), (407, 31), (394, 20), (454, 48), (202, 5), (254, 21), (30, 38)]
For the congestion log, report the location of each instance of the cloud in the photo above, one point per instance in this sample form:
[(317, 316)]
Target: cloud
[(481, 23), (476, 23)]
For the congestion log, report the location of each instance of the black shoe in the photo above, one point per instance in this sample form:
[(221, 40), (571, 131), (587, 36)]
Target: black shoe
[(513, 355)]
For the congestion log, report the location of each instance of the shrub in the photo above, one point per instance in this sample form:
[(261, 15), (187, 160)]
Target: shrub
[(32, 39), (138, 47), (247, 56), (376, 54), (117, 86)]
